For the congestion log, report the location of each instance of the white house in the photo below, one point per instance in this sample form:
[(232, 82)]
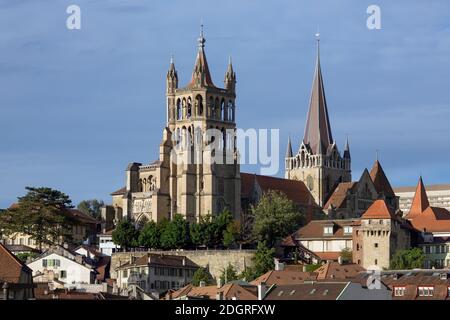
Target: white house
[(106, 244), (60, 264)]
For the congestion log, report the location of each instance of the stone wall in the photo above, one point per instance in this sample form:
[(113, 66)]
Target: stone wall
[(214, 260)]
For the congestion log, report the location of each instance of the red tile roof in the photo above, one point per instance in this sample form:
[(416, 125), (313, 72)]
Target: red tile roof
[(334, 270), (307, 291), (295, 190), (420, 201), (337, 198), (378, 210), (119, 192), (328, 256), (315, 229), (11, 267), (229, 291), (432, 220), (284, 277), (380, 180)]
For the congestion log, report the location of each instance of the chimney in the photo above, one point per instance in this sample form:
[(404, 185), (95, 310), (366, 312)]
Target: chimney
[(219, 295), (340, 260), (149, 259), (304, 268), (184, 261), (66, 245), (219, 283), (5, 288), (202, 284), (278, 265), (395, 276), (262, 289)]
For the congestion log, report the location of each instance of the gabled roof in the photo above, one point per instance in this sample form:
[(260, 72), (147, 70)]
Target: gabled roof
[(307, 291), (295, 190), (315, 229), (432, 220), (378, 210), (318, 130), (229, 291), (334, 270), (281, 277), (160, 260), (420, 202), (339, 195), (10, 266), (380, 180), (119, 192)]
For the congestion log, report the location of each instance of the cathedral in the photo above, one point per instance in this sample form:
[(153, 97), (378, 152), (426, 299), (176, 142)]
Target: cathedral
[(198, 172)]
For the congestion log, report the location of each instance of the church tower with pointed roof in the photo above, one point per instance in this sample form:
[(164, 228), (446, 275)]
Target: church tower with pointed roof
[(318, 162)]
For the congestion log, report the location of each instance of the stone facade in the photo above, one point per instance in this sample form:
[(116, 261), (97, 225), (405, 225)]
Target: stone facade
[(198, 169), (213, 260)]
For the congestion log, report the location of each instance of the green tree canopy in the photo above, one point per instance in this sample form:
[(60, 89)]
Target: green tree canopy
[(91, 207), (275, 216), (175, 233), (42, 214), (149, 235), (228, 274), (231, 234), (407, 259), (263, 261), (201, 274), (346, 255), (125, 234)]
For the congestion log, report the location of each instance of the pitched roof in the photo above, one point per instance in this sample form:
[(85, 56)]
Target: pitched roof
[(161, 260), (314, 229), (282, 277), (119, 192), (337, 198), (420, 201), (329, 255), (81, 217), (295, 190), (307, 291), (289, 149), (318, 130), (432, 220), (380, 180), (229, 291), (10, 266), (334, 270), (201, 68), (378, 210)]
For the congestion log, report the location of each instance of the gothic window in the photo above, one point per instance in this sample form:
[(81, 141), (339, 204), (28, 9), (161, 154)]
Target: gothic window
[(179, 110), (223, 111), (183, 104), (217, 109), (189, 108), (199, 102), (211, 107), (140, 185), (230, 111)]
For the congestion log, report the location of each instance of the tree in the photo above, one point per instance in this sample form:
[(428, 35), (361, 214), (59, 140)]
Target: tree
[(228, 274), (197, 231), (149, 236), (407, 259), (275, 216), (43, 214), (231, 234), (24, 256), (263, 261), (91, 207), (175, 233), (125, 234), (202, 275), (346, 255)]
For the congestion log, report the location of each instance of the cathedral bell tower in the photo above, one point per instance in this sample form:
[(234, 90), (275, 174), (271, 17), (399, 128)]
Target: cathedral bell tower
[(204, 169), (318, 162)]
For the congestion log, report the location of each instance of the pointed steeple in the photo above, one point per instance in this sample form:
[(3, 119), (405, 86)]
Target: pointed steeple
[(317, 122), (380, 180), (230, 77), (201, 77), (172, 77), (420, 201), (347, 150), (289, 148)]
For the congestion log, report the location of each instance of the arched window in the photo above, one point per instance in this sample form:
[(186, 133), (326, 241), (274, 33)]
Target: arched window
[(189, 108), (223, 110), (217, 109), (183, 103), (230, 111), (179, 110), (210, 112), (199, 103)]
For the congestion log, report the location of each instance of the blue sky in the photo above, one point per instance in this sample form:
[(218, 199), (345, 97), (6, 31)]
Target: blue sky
[(77, 106)]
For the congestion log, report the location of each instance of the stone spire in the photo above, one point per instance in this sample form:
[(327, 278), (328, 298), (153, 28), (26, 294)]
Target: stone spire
[(318, 130), (172, 77), (201, 77), (380, 180), (347, 150), (420, 201), (289, 148), (230, 77)]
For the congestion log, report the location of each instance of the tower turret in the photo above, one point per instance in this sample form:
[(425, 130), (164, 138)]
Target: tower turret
[(230, 77)]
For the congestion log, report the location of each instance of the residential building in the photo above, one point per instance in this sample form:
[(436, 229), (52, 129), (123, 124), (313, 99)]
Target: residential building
[(155, 273), (64, 265), (16, 280), (433, 226), (236, 290), (106, 244)]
